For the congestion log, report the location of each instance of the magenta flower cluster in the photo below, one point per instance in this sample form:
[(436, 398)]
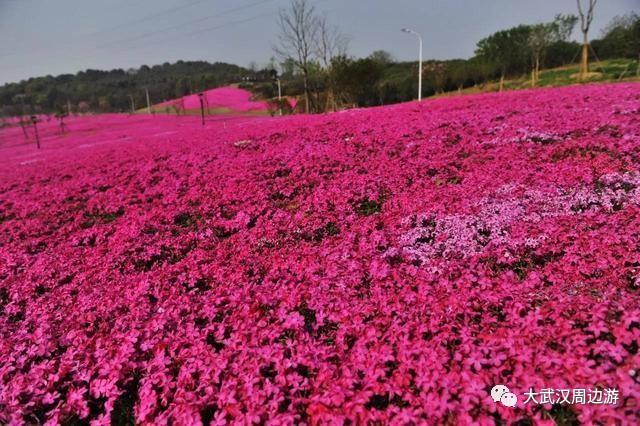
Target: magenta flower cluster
[(228, 98), (388, 265)]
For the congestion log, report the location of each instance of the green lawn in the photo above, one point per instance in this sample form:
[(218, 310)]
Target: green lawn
[(611, 70)]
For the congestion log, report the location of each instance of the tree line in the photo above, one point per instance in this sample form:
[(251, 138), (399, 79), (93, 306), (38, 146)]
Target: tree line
[(117, 90)]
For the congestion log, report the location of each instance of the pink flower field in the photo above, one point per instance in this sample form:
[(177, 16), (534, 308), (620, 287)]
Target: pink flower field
[(378, 266), (223, 98)]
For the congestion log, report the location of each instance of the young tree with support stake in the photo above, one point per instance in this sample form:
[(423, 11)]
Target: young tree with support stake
[(544, 35), (539, 39), (585, 24)]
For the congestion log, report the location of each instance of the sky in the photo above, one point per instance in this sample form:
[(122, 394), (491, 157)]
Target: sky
[(40, 37)]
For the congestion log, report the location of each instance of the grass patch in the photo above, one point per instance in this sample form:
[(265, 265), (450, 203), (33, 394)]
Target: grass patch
[(611, 70)]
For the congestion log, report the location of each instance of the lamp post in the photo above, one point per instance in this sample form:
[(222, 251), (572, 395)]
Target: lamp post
[(279, 97), (408, 31), (276, 79)]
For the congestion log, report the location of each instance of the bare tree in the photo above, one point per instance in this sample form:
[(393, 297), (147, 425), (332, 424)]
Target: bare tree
[(330, 43), (563, 26), (297, 41), (585, 23)]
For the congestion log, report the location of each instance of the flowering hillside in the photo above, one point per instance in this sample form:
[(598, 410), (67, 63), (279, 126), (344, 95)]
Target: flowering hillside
[(224, 98), (389, 264)]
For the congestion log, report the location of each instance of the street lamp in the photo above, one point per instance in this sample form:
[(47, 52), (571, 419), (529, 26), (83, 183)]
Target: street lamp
[(408, 31), (280, 97)]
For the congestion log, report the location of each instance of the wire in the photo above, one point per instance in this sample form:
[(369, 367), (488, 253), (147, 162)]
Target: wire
[(164, 40), (105, 30), (241, 21), (192, 33), (182, 25), (146, 18)]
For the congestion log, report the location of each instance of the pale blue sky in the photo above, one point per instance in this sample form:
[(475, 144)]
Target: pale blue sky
[(39, 37)]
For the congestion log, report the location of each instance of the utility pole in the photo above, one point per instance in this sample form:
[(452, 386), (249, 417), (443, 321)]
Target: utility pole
[(133, 105), (148, 101), (415, 33), (68, 107), (201, 97), (34, 120)]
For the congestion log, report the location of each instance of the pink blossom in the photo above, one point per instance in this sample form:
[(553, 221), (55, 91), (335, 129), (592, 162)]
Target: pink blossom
[(379, 265)]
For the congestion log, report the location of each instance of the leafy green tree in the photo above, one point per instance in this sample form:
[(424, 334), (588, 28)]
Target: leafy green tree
[(356, 80), (382, 57), (620, 39), (542, 36), (182, 87), (508, 50), (288, 67)]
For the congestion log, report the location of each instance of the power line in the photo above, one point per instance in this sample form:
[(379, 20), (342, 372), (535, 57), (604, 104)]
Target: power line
[(106, 30), (203, 30), (188, 34), (172, 27), (164, 40), (146, 18), (207, 29), (223, 13)]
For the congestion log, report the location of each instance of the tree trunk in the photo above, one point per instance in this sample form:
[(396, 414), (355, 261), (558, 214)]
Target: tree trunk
[(533, 77), (502, 82), (584, 65), (330, 104), (306, 93), (315, 105)]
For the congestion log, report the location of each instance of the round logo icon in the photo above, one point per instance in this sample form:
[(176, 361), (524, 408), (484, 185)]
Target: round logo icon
[(501, 394)]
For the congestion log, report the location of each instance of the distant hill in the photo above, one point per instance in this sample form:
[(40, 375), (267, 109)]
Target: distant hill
[(110, 91)]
